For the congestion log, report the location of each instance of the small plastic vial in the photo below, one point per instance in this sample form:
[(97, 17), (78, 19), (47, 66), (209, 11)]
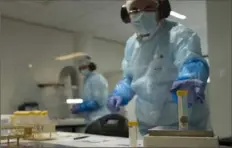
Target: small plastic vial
[(30, 118), (12, 119), (133, 133), (18, 118), (40, 121), (25, 117), (37, 117), (45, 117), (34, 117), (183, 109)]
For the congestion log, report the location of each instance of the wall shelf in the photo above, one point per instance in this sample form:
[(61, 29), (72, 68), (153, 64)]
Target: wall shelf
[(43, 85)]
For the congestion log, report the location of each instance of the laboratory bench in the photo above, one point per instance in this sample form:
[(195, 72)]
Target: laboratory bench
[(68, 140), (79, 139)]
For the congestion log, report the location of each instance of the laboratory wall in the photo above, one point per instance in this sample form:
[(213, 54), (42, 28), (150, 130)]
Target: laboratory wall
[(107, 54), (219, 44), (27, 58)]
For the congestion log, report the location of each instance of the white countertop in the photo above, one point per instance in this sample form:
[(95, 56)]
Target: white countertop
[(67, 139)]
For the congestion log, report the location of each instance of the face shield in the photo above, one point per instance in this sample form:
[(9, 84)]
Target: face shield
[(83, 60), (84, 63), (135, 6)]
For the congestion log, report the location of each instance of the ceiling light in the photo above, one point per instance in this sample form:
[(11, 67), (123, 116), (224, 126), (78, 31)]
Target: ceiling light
[(30, 65), (74, 101), (70, 56), (178, 15)]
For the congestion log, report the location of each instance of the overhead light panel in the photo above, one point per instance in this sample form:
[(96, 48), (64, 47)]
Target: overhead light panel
[(74, 101), (178, 15), (71, 56)]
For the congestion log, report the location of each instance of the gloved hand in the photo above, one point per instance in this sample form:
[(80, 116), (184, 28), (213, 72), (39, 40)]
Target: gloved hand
[(75, 109), (114, 103), (194, 87)]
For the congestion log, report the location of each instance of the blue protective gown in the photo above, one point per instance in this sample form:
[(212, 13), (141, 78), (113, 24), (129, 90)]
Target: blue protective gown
[(95, 93), (151, 66)]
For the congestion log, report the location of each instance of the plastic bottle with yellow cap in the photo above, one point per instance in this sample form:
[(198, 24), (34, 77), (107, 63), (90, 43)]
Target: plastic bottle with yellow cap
[(133, 133), (183, 109)]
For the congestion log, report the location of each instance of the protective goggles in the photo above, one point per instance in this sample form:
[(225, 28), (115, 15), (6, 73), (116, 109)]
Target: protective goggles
[(136, 6), (83, 67)]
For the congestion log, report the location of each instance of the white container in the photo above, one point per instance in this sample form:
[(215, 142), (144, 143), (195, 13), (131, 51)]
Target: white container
[(133, 133), (5, 119)]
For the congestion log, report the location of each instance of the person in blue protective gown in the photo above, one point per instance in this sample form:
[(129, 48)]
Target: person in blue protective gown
[(95, 93), (160, 58)]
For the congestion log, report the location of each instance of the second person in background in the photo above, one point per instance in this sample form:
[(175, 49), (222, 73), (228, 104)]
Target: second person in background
[(95, 92)]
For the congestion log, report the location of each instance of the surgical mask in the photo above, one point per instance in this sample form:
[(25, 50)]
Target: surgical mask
[(85, 72), (144, 23)]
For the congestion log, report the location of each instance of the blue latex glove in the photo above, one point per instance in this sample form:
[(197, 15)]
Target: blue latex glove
[(86, 106), (75, 109), (194, 87), (121, 95), (114, 103)]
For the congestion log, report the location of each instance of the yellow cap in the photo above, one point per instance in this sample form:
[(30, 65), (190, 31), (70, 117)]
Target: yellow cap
[(132, 123), (182, 93), (15, 113), (26, 113), (32, 112), (36, 112), (21, 113), (45, 113)]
